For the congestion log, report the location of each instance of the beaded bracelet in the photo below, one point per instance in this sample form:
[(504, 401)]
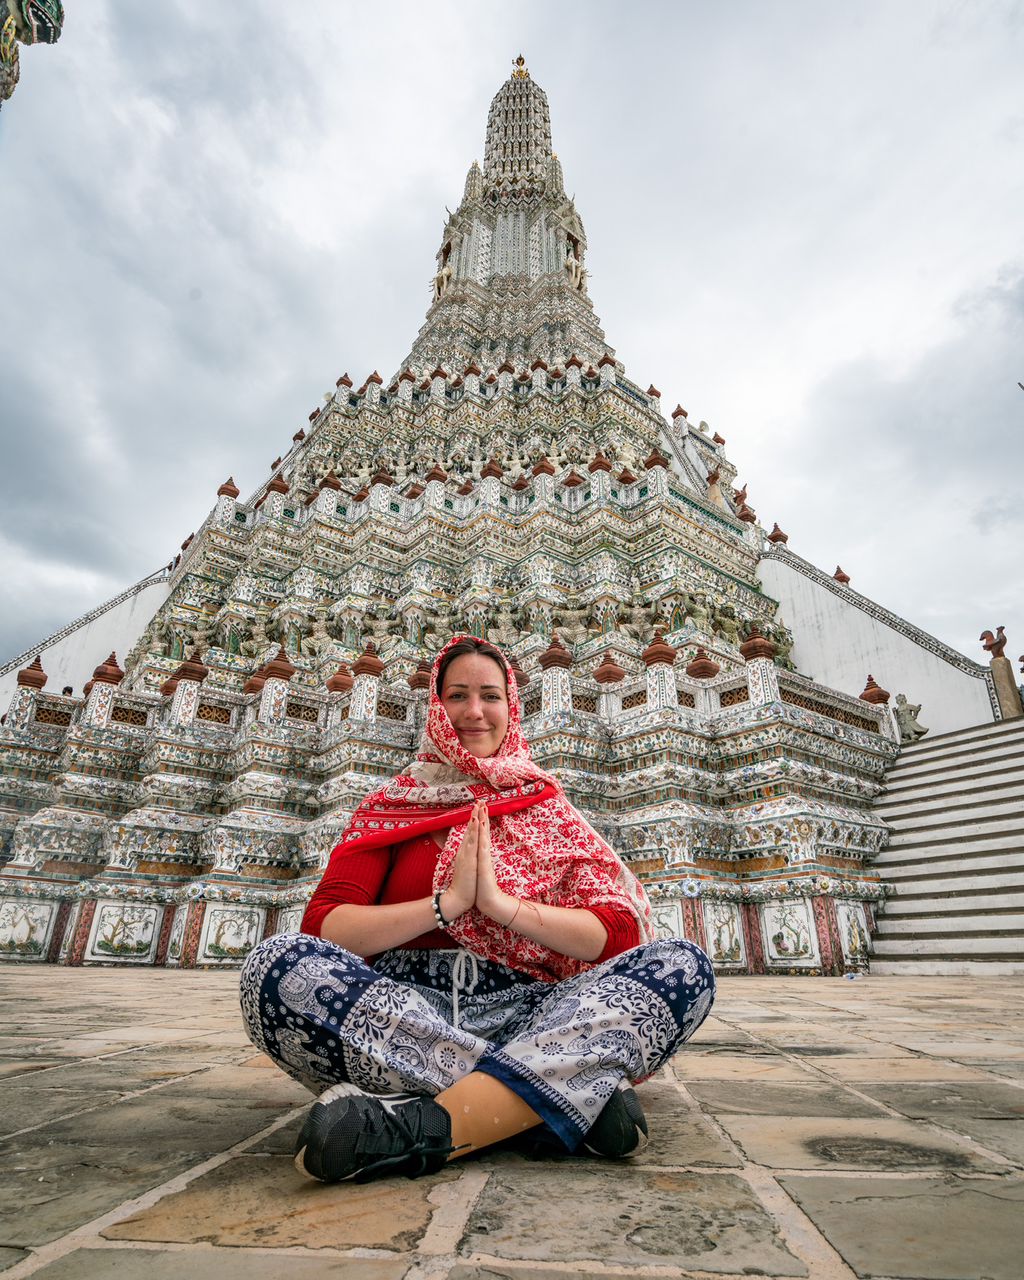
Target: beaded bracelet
[(442, 923)]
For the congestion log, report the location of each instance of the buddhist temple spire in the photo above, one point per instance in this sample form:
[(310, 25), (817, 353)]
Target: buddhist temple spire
[(510, 280), (517, 154)]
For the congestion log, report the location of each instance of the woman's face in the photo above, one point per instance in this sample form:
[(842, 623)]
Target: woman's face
[(476, 701)]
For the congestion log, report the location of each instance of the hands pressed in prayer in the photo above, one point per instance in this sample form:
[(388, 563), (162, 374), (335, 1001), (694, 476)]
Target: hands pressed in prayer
[(572, 931), (473, 882)]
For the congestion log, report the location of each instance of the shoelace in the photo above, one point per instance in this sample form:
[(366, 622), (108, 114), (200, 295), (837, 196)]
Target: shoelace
[(418, 1146)]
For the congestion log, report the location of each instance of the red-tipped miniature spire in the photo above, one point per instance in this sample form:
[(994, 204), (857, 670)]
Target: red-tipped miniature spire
[(228, 489), (701, 667), (658, 651), (368, 664), (33, 676), (609, 671), (522, 679), (341, 681), (757, 645), (279, 667), (108, 672), (556, 654), (874, 692), (420, 678)]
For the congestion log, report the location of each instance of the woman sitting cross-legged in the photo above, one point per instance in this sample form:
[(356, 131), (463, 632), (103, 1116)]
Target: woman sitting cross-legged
[(475, 961)]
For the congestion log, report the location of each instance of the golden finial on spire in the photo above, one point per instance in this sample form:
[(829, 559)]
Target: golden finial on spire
[(520, 72)]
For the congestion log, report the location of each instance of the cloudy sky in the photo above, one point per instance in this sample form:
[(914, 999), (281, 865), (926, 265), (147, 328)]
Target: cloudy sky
[(804, 223)]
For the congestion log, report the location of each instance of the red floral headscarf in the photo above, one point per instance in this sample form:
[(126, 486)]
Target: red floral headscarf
[(544, 850)]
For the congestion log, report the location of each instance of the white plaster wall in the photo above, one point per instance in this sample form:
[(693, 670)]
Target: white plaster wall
[(72, 658), (838, 642)]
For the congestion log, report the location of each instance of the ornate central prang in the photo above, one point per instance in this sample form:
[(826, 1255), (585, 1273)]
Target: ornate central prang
[(510, 282)]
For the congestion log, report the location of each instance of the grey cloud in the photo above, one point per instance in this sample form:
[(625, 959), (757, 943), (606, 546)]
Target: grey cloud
[(752, 203)]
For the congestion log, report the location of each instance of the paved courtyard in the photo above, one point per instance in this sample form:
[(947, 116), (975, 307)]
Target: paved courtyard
[(816, 1128)]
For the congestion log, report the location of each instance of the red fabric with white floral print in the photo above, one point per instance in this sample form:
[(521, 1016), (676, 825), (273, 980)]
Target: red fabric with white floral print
[(544, 850)]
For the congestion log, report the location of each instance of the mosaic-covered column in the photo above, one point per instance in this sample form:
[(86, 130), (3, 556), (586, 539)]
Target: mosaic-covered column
[(30, 680), (326, 504), (702, 668), (366, 684), (274, 694), (183, 689), (419, 683), (600, 476), (544, 480), (337, 685), (490, 483), (227, 496), (609, 675), (656, 467), (99, 693), (658, 658), (521, 678), (762, 677), (273, 504), (556, 688)]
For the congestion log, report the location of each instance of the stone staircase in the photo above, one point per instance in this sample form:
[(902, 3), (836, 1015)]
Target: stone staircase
[(956, 856)]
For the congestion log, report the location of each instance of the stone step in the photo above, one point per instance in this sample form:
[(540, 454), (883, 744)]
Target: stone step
[(932, 899), (965, 801), (958, 757), (979, 734), (984, 923), (968, 835), (1005, 946), (1010, 810), (979, 868), (948, 878), (897, 782), (952, 764), (955, 805), (951, 786), (1006, 846), (951, 966)]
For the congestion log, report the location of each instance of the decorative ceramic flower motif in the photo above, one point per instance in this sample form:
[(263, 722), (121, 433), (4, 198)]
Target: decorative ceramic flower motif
[(691, 888)]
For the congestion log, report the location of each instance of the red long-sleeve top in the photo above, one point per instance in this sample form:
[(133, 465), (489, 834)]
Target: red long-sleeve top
[(405, 872)]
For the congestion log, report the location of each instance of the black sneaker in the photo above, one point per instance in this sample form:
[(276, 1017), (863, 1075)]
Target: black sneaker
[(620, 1131), (357, 1136)]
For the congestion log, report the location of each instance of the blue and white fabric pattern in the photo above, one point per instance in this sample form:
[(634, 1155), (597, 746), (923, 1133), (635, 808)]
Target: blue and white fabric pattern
[(418, 1021)]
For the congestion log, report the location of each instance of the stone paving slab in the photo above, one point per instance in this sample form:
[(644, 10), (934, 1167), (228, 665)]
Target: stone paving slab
[(219, 1264), (260, 1200), (920, 1228), (700, 1221), (769, 1098), (815, 1128), (49, 1189), (828, 1142), (944, 1101)]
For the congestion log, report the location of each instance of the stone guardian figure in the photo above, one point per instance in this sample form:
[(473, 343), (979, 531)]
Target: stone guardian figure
[(906, 714)]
